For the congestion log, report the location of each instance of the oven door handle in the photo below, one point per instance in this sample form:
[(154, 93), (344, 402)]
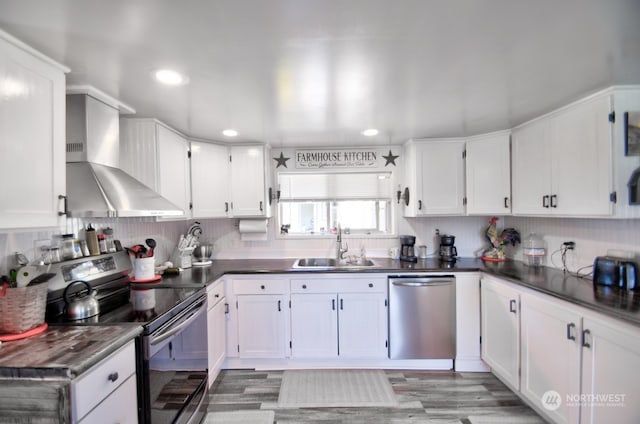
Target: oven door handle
[(174, 329)]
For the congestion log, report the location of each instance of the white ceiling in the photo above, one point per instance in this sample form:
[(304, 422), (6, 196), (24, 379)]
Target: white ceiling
[(317, 72)]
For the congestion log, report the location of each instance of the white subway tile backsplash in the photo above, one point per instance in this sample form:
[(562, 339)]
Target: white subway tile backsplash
[(593, 237)]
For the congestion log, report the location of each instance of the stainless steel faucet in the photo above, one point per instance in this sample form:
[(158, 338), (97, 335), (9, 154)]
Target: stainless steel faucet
[(340, 251)]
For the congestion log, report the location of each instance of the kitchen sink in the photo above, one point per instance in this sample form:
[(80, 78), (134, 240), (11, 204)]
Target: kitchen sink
[(331, 263)]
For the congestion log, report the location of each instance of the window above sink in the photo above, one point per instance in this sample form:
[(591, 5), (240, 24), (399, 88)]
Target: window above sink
[(312, 205)]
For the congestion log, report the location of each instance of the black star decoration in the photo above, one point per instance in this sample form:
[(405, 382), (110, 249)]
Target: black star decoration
[(391, 158), (281, 160)]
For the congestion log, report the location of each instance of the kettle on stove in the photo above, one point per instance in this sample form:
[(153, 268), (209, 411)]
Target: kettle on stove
[(80, 304)]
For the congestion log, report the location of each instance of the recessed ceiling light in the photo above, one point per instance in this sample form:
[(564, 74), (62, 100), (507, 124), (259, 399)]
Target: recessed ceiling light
[(230, 133), (370, 132), (169, 77)]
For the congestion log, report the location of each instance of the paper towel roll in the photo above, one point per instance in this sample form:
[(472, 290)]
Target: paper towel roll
[(253, 226), (253, 229)]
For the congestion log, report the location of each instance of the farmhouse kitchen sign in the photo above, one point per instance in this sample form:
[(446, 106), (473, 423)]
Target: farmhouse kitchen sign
[(339, 158)]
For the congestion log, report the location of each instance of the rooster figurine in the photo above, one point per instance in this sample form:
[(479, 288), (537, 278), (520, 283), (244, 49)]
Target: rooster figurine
[(498, 241)]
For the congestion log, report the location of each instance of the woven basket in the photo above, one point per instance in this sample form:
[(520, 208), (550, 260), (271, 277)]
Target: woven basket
[(22, 308)]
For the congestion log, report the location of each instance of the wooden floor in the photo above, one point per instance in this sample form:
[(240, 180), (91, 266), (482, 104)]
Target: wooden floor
[(423, 396)]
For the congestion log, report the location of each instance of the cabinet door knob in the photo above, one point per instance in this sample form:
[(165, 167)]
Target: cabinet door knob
[(304, 286), (262, 287), (370, 284), (113, 377), (216, 295)]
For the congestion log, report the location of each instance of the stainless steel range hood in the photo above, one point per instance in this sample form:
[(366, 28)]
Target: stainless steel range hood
[(96, 187)]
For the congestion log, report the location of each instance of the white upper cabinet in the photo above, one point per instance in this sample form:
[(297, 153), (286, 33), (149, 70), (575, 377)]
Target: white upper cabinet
[(210, 176), (488, 174), (32, 137), (562, 162), (250, 181), (435, 177), (157, 156)]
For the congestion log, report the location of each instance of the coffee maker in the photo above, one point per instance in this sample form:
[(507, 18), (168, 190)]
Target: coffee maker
[(448, 251), (407, 249)]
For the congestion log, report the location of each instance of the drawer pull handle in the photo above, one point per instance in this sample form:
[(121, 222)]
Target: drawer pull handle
[(304, 286), (333, 304), (370, 284), (585, 343), (512, 306), (545, 201), (262, 287), (279, 306), (570, 335), (113, 377), (506, 203)]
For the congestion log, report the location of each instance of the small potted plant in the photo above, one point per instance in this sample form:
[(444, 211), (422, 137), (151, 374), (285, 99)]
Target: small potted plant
[(498, 241)]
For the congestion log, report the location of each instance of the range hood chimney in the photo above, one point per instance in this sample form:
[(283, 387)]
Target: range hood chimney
[(96, 187)]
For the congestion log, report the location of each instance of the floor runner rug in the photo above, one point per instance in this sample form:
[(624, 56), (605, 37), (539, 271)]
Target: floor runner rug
[(335, 388)]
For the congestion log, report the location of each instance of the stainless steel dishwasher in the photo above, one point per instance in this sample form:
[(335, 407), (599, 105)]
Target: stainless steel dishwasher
[(422, 317)]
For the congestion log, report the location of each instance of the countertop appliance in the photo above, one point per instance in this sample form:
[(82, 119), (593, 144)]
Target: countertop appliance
[(422, 317), (164, 310), (448, 251), (407, 249), (615, 272)]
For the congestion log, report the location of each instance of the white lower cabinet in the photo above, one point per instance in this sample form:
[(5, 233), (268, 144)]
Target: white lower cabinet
[(610, 364), (576, 365), (314, 325), (468, 322), (107, 393), (262, 309), (216, 329), (550, 355), (344, 317), (500, 323)]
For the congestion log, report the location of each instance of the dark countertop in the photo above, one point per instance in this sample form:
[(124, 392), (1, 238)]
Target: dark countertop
[(67, 351), (63, 351), (620, 304)]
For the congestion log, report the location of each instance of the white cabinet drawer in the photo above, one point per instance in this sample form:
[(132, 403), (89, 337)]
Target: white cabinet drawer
[(341, 285), (257, 286), (96, 384), (120, 407), (215, 294)]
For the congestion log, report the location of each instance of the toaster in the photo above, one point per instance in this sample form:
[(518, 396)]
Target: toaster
[(615, 272)]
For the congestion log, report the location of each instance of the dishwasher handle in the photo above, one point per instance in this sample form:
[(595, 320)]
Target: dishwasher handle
[(424, 283)]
